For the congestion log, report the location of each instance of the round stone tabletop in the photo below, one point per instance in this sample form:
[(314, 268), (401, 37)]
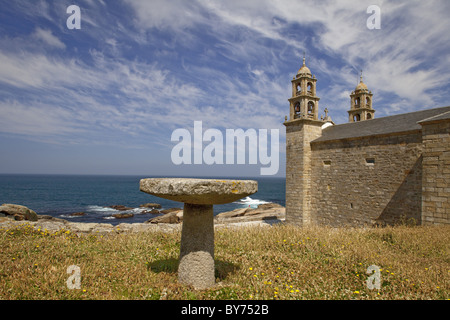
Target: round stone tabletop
[(199, 191)]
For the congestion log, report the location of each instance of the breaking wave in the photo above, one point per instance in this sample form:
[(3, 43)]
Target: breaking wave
[(249, 202)]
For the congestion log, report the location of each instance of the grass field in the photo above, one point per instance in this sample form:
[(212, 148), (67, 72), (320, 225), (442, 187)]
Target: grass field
[(281, 262)]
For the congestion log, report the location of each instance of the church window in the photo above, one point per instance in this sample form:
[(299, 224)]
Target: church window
[(368, 101), (369, 116), (327, 163), (356, 118), (357, 102), (370, 161), (297, 107)]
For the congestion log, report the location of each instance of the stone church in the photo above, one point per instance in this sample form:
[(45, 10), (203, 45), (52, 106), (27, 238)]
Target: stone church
[(369, 171)]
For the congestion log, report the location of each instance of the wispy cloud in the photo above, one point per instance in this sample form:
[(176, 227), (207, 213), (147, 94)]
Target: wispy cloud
[(139, 69)]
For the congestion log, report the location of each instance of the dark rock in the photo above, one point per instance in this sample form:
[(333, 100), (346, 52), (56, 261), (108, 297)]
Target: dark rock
[(77, 214), (123, 215), (151, 205), (120, 207)]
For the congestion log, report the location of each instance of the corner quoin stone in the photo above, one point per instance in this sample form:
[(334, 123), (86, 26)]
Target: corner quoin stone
[(196, 263)]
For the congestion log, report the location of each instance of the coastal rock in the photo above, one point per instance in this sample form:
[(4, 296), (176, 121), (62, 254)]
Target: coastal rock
[(151, 205), (123, 215), (165, 211), (120, 207), (45, 217), (268, 211), (232, 214), (18, 212), (77, 214), (171, 217), (153, 211)]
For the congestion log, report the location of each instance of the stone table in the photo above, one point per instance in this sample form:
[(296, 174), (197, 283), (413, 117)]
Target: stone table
[(196, 263)]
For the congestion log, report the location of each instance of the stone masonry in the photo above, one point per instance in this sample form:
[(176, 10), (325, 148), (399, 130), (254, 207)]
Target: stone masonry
[(436, 170), (369, 171)]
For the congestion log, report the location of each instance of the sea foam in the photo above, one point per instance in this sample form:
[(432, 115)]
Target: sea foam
[(249, 202)]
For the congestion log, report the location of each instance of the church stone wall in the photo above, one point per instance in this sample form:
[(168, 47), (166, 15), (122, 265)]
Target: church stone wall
[(299, 134), (436, 173), (367, 181)]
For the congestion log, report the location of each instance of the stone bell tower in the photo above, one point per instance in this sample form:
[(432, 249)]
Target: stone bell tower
[(302, 127), (304, 102), (361, 103)]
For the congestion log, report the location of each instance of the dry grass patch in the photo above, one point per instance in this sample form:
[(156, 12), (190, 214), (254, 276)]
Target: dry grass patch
[(281, 262)]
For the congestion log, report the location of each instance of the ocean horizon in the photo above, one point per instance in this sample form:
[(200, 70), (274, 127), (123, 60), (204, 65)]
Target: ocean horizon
[(60, 195)]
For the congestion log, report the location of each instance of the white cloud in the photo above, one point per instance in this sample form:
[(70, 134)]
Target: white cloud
[(48, 38)]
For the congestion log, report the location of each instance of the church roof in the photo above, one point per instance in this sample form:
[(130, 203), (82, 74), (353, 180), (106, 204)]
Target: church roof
[(393, 124)]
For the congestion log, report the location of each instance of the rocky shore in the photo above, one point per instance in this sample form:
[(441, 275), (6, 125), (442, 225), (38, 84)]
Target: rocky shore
[(170, 220)]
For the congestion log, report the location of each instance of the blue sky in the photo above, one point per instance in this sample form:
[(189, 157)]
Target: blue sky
[(106, 98)]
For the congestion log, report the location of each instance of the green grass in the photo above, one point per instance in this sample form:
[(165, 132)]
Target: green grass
[(281, 262)]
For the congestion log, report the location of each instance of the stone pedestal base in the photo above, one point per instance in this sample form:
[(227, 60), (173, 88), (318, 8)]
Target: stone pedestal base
[(196, 265)]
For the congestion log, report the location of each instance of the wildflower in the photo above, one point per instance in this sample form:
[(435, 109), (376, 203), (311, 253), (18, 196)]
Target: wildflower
[(248, 268), (357, 292)]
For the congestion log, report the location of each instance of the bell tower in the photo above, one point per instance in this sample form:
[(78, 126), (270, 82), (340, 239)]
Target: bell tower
[(361, 103), (304, 104), (302, 127)]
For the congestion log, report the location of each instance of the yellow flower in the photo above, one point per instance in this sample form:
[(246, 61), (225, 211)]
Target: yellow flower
[(357, 292), (250, 269)]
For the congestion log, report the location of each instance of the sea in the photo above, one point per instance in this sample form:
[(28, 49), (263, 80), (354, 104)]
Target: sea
[(62, 195)]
